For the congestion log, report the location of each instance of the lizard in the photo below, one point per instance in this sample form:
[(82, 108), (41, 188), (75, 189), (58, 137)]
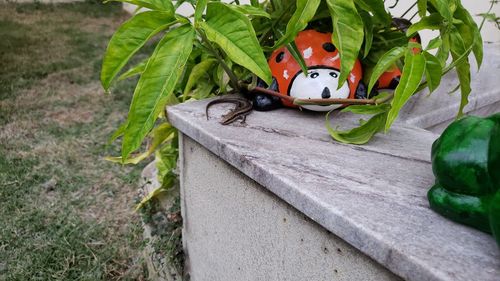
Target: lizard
[(242, 109)]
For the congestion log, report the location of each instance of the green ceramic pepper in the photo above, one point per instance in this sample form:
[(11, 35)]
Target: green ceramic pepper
[(466, 163)]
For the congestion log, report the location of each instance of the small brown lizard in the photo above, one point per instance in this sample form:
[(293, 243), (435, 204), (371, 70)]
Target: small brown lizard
[(242, 109)]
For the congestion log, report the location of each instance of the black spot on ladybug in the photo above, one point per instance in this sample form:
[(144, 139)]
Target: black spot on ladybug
[(394, 82), (280, 57), (314, 75), (334, 74), (329, 47)]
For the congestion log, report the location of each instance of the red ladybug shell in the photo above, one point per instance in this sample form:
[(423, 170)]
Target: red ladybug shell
[(386, 80), (318, 53)]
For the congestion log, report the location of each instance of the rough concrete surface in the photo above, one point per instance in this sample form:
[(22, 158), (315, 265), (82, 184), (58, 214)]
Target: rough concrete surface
[(371, 196), (237, 230)]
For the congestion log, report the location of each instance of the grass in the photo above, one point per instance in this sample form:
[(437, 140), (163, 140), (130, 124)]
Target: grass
[(65, 213)]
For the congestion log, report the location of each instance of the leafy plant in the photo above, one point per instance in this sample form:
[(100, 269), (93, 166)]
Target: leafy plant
[(223, 47)]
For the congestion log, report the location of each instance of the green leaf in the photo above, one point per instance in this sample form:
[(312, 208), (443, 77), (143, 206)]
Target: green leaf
[(433, 71), (128, 39), (118, 133), (361, 134), (203, 89), (155, 5), (422, 7), (470, 33), (432, 22), (200, 8), (136, 70), (157, 191), (443, 7), (368, 28), (367, 109), (348, 34), (297, 55), (377, 8), (386, 61), (234, 34), (197, 72), (251, 10), (444, 50), (305, 11), (161, 134), (434, 43), (413, 71), (156, 84), (458, 49)]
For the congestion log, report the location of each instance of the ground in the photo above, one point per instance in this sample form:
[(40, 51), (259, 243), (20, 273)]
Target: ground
[(65, 213)]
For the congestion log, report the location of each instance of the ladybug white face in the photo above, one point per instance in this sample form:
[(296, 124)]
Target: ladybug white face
[(320, 83)]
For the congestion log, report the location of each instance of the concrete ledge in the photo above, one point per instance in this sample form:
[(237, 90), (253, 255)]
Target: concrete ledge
[(373, 196)]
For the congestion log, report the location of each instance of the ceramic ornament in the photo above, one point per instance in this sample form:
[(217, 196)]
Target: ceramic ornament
[(321, 82)]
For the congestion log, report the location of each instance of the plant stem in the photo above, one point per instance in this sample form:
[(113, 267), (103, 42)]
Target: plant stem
[(334, 101), (232, 77), (489, 11), (316, 101), (271, 93)]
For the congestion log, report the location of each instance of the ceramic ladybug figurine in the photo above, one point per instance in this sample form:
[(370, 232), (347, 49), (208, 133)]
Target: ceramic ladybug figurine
[(321, 80)]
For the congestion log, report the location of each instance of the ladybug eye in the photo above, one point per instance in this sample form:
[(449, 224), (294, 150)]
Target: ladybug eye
[(329, 47), (280, 57), (334, 74), (314, 75)]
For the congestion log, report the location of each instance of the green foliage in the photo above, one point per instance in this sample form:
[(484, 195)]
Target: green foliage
[(129, 38), (156, 85), (304, 12), (363, 133), (348, 34), (412, 74), (387, 61), (223, 45), (433, 72), (232, 31)]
